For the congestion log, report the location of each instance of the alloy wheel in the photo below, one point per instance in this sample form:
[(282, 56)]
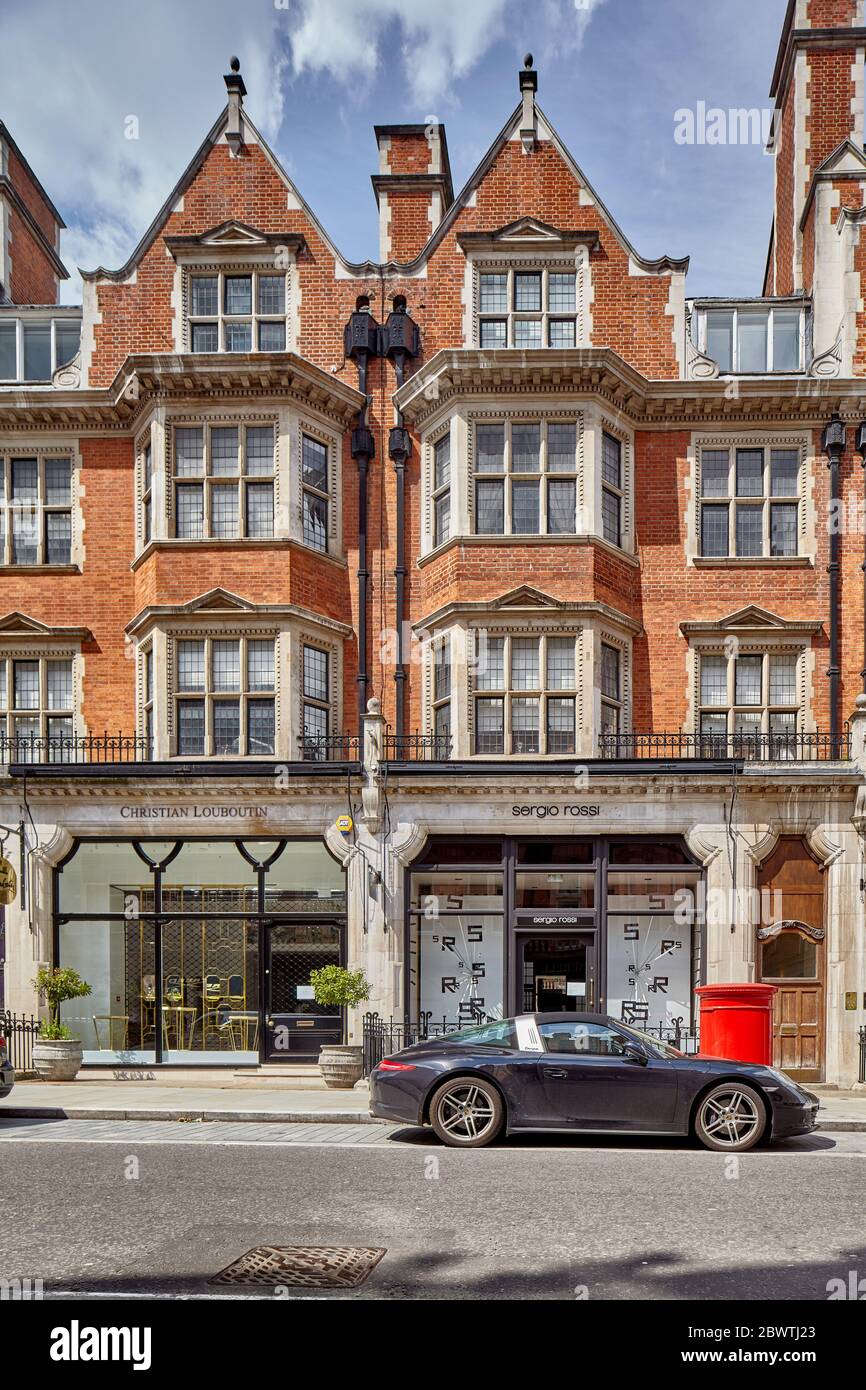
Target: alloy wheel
[(731, 1118), (466, 1112)]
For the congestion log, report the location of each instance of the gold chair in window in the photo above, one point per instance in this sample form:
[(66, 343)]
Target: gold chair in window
[(112, 1032)]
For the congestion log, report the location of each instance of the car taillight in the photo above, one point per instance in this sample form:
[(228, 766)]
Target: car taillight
[(395, 1066)]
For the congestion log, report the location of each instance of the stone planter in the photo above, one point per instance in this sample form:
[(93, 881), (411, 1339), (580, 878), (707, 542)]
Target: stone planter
[(57, 1059), (342, 1064)]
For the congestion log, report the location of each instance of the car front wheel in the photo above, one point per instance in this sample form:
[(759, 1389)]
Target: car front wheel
[(730, 1118), (467, 1113)]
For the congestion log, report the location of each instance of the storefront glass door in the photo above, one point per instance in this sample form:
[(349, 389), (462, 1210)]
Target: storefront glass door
[(296, 1026), (555, 973)]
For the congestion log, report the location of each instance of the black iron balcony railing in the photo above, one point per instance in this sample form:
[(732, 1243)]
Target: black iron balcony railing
[(331, 748), (87, 748), (417, 748), (755, 748)]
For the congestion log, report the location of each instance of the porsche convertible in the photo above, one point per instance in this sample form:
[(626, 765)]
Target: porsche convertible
[(584, 1073)]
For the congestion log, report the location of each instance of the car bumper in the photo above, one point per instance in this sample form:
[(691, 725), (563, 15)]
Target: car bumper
[(7, 1077), (394, 1097), (796, 1116)]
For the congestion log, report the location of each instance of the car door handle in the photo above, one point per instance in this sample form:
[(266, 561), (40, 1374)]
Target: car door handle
[(556, 1073)]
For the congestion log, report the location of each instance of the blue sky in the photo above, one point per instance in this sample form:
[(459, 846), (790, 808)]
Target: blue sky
[(320, 73)]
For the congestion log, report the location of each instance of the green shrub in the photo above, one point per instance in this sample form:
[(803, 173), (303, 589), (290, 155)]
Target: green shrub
[(55, 987), (334, 984)]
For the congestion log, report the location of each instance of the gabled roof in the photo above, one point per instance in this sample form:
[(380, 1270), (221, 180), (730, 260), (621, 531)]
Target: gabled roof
[(847, 161)]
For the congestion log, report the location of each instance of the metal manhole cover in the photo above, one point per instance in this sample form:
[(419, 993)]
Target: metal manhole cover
[(302, 1266)]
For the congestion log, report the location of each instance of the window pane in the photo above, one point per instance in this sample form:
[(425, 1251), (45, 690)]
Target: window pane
[(714, 680), (442, 462), (527, 333), (610, 671), (562, 447), (715, 465), (57, 481), (226, 665), (314, 461), (560, 333), (525, 448), (37, 351), (190, 665), (560, 725), (748, 680), (188, 452), (750, 472), (610, 517), (8, 351), (609, 719), (59, 734), (190, 727), (3, 691), (789, 956), (714, 530), (489, 508), (260, 449), (223, 452), (239, 337), (238, 294), (58, 538), (442, 518), (560, 293), (315, 522), (489, 726), (205, 296), (750, 530), (25, 536), (260, 664), (786, 340), (493, 294), (442, 671), (26, 684), (716, 724), (261, 726), (524, 726), (272, 337), (67, 341), (59, 684), (490, 445), (783, 528), (783, 679), (315, 674), (527, 291), (205, 337), (748, 724), (784, 473), (492, 333), (524, 509), (524, 664), (611, 460), (561, 506), (442, 721), (226, 727), (25, 480), (224, 511), (272, 294), (752, 342), (490, 662), (315, 729), (260, 510), (560, 663), (720, 338)]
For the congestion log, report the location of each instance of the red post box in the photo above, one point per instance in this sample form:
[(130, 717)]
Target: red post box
[(737, 1022)]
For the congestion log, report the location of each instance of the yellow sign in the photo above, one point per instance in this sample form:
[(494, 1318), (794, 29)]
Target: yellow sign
[(344, 824), (8, 882)]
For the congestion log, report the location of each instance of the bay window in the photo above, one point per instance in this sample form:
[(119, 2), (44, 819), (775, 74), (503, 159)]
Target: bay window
[(526, 477), (223, 481), (316, 702), (36, 707), (225, 701), (525, 693), (316, 492)]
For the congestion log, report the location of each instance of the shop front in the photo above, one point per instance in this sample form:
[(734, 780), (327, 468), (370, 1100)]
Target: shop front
[(499, 926), (199, 951)]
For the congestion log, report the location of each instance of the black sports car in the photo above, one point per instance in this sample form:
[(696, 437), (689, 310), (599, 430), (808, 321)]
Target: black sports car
[(583, 1072)]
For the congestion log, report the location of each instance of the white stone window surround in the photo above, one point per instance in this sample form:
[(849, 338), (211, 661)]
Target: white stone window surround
[(252, 263), (290, 424), (729, 645), (28, 446), (529, 257), (461, 418), (589, 635), (766, 440), (289, 635), (43, 651)]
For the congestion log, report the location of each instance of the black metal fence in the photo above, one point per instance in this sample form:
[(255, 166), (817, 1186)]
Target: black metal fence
[(20, 1034), (754, 748), (89, 748), (385, 1036)]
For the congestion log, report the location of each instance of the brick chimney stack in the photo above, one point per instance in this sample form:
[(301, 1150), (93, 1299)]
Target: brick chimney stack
[(30, 227), (413, 187)]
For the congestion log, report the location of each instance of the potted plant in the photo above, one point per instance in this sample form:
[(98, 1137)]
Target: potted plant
[(342, 1064), (57, 1055)]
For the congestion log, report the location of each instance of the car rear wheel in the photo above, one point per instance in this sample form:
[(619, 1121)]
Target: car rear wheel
[(467, 1113), (730, 1118)]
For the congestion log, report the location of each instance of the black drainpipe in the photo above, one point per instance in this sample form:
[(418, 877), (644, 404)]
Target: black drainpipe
[(834, 448), (400, 340), (361, 342)]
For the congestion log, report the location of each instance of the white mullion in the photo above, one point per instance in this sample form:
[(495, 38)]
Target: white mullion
[(19, 354), (208, 699), (770, 324)]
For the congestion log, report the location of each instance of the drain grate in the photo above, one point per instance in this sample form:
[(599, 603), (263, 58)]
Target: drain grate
[(302, 1266)]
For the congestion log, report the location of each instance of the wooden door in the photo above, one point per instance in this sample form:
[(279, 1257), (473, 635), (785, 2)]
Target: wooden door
[(791, 953)]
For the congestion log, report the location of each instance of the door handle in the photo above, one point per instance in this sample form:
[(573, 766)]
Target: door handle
[(556, 1073)]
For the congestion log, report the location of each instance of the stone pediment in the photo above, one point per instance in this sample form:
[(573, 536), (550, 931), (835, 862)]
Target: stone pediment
[(525, 597), (218, 600)]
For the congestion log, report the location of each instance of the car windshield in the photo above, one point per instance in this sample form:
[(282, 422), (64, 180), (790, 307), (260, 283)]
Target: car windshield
[(655, 1045), (499, 1032)]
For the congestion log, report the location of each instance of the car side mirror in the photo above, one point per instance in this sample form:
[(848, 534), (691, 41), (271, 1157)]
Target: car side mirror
[(635, 1054)]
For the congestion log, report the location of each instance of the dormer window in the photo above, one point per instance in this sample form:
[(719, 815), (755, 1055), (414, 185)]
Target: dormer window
[(751, 339), (35, 347), (232, 312), (527, 308)]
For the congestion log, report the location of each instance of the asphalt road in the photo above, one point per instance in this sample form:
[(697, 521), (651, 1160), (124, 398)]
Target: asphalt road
[(164, 1210)]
